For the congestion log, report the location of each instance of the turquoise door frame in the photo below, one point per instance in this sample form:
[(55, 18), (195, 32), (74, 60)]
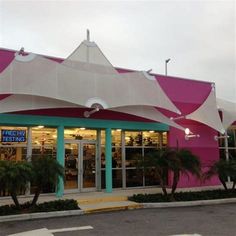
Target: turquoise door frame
[(61, 122), (108, 155)]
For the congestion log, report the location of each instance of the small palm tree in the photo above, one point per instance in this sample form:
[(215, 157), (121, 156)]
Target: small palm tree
[(182, 162), (223, 169), (178, 161), (154, 161), (14, 176), (46, 171)]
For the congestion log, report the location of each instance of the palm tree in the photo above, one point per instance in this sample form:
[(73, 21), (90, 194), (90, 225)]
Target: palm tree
[(224, 169), (14, 176), (46, 171), (154, 161), (180, 162)]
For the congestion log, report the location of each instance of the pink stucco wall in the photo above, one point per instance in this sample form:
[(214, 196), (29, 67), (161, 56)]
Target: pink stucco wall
[(205, 147)]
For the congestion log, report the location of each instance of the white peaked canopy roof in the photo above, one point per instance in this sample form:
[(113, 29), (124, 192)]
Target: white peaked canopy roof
[(149, 113), (208, 113), (88, 56), (228, 111), (28, 102), (38, 76)]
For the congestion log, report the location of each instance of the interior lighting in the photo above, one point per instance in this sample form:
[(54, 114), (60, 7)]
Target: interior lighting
[(118, 130), (40, 126), (82, 128), (151, 131)]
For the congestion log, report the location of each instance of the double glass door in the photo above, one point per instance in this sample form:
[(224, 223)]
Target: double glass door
[(80, 165)]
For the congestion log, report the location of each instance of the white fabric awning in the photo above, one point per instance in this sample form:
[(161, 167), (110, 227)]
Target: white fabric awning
[(89, 57), (149, 113), (43, 77), (228, 111), (208, 113), (19, 102)]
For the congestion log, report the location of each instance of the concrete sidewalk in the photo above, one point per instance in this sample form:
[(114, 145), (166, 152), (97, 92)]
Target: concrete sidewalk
[(92, 202), (101, 201)]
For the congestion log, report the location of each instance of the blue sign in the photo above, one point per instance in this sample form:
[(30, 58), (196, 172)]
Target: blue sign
[(12, 136)]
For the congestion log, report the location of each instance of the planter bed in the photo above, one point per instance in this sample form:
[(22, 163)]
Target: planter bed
[(58, 205), (184, 196)]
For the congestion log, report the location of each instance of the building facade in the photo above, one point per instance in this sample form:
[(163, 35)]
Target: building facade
[(100, 151)]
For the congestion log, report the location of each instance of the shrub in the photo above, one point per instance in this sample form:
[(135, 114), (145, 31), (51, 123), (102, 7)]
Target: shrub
[(185, 196), (57, 205)]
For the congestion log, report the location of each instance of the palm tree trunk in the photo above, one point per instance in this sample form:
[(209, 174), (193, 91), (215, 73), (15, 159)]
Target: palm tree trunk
[(162, 183), (175, 182), (234, 183), (223, 183), (36, 196), (15, 200), (163, 187)]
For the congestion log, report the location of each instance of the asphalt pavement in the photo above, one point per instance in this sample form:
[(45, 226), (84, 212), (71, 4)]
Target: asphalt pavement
[(217, 220)]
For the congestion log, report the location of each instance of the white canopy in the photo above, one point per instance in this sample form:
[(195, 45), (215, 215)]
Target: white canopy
[(27, 102), (19, 102), (89, 57), (43, 77), (228, 111), (208, 114), (149, 113)]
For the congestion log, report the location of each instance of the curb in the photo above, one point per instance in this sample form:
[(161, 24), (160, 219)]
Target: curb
[(40, 215), (102, 199), (117, 208), (54, 214), (189, 203)]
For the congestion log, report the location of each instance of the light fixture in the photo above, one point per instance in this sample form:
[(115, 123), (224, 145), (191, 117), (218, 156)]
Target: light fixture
[(177, 118), (151, 131), (187, 131), (220, 137), (82, 128), (189, 134), (118, 130), (39, 127), (96, 107)]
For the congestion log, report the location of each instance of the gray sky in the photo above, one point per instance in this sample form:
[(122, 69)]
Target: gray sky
[(198, 36)]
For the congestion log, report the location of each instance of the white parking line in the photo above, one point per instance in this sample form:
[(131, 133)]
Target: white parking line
[(47, 232), (186, 235), (70, 229)]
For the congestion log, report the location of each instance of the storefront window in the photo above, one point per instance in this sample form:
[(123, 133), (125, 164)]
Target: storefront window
[(133, 138), (127, 160), (44, 142), (80, 134), (151, 138), (232, 138), (231, 132)]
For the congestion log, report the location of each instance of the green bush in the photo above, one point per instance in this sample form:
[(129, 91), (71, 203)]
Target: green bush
[(185, 196), (57, 205)]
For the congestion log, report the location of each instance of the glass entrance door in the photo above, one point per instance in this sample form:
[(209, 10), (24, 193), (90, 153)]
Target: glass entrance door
[(80, 165), (88, 154)]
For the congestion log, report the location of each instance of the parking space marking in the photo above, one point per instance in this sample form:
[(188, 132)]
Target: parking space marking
[(70, 229)]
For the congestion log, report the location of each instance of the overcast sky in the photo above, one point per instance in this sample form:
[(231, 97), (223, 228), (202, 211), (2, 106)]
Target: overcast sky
[(198, 36)]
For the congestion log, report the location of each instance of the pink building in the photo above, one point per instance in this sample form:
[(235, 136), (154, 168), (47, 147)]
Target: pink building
[(97, 119)]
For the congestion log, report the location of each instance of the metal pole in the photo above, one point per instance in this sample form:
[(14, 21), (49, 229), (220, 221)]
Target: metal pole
[(166, 62), (226, 150), (28, 154)]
